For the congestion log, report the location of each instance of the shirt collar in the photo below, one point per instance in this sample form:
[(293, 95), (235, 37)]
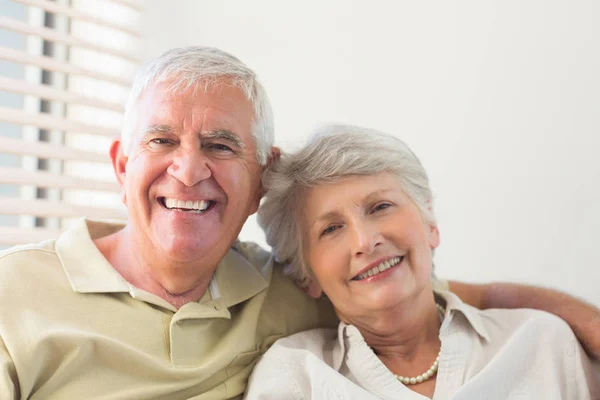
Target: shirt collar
[(234, 281), (85, 266), (453, 304), (472, 314), (339, 351)]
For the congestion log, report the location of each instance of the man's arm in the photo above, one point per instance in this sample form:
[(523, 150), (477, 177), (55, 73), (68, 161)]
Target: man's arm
[(583, 317)]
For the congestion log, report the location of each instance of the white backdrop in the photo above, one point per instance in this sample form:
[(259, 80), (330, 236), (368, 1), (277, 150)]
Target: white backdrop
[(499, 99)]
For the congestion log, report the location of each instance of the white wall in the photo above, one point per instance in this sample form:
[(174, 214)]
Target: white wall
[(500, 99)]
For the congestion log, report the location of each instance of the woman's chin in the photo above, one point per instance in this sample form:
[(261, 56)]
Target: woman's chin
[(382, 299)]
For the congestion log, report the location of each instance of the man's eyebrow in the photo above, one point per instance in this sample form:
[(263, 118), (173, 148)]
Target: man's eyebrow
[(225, 135), (158, 129)]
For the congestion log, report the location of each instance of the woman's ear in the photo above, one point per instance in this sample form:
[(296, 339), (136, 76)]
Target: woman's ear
[(434, 236), (314, 289), (310, 286)]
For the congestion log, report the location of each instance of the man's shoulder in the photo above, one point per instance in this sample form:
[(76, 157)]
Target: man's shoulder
[(257, 256), (27, 253), (285, 307), (27, 266)]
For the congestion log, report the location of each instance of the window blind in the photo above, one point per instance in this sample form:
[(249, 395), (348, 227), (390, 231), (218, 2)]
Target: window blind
[(65, 71)]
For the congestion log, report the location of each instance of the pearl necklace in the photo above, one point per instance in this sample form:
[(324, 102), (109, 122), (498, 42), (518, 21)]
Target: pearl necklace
[(433, 369)]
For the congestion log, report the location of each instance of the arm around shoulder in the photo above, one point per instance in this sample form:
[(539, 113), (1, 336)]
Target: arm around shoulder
[(582, 317)]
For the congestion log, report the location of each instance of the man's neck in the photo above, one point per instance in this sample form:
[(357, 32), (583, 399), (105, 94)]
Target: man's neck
[(148, 271)]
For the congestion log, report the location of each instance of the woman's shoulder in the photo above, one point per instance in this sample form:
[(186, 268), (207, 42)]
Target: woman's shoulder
[(288, 367), (500, 321), (541, 340), (318, 342)]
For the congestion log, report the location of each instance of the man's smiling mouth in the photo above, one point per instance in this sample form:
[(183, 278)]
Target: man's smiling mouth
[(194, 207)]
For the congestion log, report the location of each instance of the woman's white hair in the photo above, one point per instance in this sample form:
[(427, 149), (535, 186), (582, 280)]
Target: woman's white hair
[(333, 152), (190, 67)]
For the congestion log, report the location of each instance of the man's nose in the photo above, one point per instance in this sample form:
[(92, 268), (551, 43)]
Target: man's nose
[(189, 166), (366, 238)]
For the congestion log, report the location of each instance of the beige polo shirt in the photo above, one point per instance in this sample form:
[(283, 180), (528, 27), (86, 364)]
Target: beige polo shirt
[(72, 328)]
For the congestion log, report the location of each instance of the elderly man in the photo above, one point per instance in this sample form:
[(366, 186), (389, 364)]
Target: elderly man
[(171, 305)]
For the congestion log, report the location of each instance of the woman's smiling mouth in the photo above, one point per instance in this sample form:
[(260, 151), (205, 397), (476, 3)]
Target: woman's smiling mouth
[(376, 270)]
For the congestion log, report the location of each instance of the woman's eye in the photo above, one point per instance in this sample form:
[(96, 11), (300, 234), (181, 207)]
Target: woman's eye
[(329, 229), (381, 206)]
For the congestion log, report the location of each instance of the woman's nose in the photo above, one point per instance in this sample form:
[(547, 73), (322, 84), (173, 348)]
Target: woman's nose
[(366, 238)]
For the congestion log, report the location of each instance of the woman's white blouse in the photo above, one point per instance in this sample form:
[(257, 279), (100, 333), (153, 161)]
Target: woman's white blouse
[(491, 354)]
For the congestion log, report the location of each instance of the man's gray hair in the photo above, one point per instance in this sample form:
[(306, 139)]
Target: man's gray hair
[(333, 152), (190, 67)]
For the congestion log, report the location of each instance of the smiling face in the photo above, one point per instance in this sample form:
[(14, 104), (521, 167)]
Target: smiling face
[(367, 244), (191, 177)]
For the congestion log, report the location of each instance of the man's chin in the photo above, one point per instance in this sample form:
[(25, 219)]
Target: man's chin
[(187, 247)]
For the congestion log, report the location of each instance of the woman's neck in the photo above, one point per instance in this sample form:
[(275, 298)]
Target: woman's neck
[(405, 338)]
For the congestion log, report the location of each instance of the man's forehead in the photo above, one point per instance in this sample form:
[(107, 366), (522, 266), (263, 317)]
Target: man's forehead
[(221, 90), (160, 103)]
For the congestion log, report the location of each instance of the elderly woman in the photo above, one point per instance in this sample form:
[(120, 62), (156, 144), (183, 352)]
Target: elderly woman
[(352, 215)]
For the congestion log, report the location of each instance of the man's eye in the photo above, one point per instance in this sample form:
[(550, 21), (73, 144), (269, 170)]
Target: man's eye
[(160, 141), (219, 147)]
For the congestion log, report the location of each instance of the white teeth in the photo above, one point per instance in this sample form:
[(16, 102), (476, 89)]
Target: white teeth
[(198, 205), (379, 268), (203, 205)]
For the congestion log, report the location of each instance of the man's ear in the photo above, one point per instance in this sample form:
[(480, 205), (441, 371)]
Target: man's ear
[(119, 163), (273, 158)]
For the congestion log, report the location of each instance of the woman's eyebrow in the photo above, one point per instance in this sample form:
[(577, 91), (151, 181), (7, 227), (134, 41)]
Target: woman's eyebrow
[(376, 194)]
